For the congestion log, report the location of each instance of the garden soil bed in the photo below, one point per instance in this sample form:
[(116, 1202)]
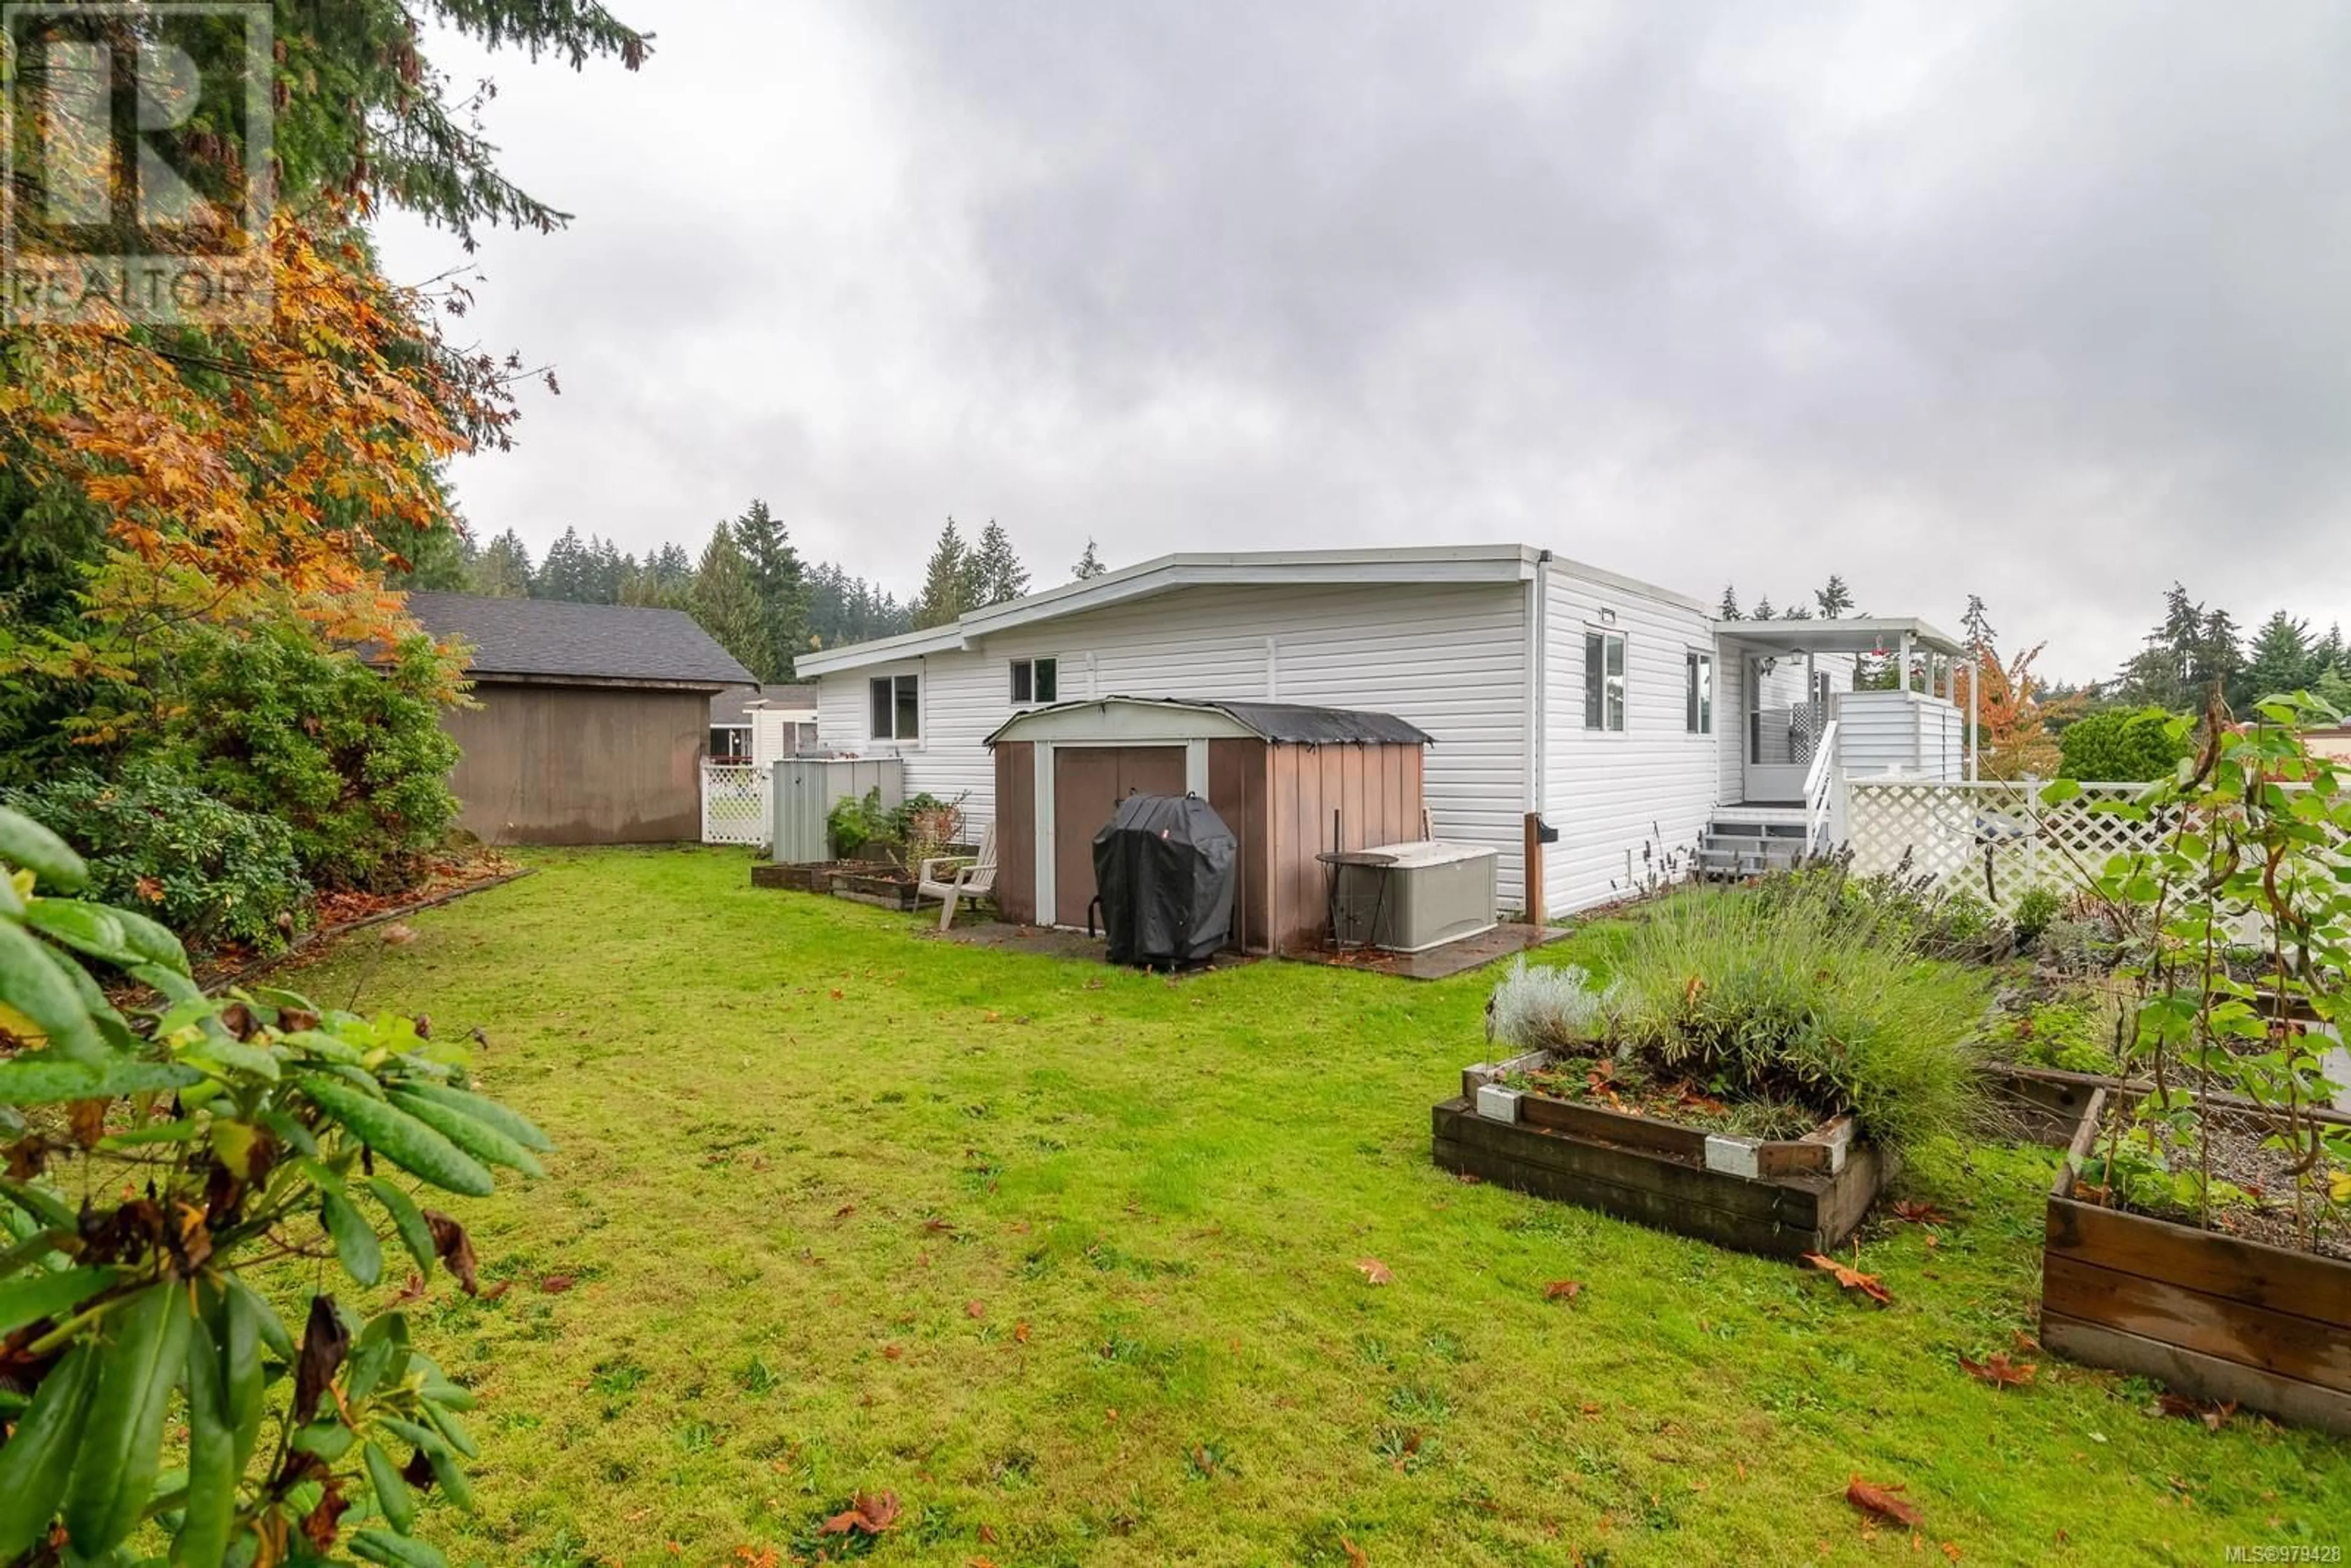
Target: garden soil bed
[(2217, 1317), (1782, 1197)]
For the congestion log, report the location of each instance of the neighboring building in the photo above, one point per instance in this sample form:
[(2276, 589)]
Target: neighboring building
[(2333, 743), (590, 718), (1623, 713), (760, 726)]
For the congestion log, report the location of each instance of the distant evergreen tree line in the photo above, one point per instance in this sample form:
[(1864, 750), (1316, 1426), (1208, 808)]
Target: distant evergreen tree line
[(2194, 647), (749, 587)]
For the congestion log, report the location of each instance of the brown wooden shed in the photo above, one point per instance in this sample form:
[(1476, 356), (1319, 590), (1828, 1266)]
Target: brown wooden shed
[(1289, 781), (590, 720)]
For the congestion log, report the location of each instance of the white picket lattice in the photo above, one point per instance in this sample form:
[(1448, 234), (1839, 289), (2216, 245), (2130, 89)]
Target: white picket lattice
[(1996, 838), (734, 803)]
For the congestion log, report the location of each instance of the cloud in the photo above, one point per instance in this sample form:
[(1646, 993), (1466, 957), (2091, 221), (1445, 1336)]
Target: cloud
[(2040, 303)]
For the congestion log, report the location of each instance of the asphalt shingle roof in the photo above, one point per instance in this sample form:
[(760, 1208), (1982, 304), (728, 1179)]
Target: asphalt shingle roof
[(551, 639)]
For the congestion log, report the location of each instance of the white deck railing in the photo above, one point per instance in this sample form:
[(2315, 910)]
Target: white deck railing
[(1820, 790), (734, 803)]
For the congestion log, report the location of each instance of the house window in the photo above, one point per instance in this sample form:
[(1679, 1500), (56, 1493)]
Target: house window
[(1697, 693), (897, 706), (1604, 679), (731, 743), (1036, 680)]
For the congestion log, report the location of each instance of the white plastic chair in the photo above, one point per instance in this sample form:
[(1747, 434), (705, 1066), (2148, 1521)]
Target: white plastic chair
[(952, 878)]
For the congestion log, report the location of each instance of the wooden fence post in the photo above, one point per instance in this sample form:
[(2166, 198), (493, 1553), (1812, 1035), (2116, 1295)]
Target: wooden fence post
[(1532, 861)]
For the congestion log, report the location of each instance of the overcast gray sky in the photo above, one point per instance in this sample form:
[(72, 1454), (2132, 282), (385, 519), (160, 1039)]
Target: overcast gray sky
[(2048, 302)]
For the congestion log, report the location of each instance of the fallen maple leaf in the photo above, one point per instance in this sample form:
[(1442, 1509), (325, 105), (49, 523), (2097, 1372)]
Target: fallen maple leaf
[(2214, 1416), (935, 1224), (844, 1211), (1374, 1271), (1850, 1279), (987, 1535), (1998, 1371), (1563, 1289), (2024, 1341), (1881, 1500), (1355, 1558), (868, 1513), (1920, 1214), (892, 1351), (975, 1309), (1951, 1549), (414, 1291), (555, 1285), (1021, 1334)]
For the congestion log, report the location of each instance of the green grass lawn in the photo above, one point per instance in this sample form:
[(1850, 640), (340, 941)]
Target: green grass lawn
[(1066, 1258)]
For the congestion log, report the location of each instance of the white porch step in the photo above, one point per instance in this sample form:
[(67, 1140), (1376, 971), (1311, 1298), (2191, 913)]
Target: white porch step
[(1771, 816)]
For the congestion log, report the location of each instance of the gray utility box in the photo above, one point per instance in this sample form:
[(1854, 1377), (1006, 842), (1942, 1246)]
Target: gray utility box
[(804, 790), (1409, 897)]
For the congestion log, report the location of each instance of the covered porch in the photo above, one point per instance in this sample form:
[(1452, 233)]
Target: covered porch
[(1803, 725)]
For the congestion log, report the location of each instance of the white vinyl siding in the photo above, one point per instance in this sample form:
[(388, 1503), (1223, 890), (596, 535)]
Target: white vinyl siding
[(1611, 795), (1902, 732), (1450, 658)]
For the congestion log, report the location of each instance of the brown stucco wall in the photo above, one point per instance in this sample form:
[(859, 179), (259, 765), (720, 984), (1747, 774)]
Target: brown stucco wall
[(579, 765)]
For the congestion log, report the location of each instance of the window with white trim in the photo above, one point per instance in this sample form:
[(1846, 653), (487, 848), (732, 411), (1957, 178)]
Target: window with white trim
[(1604, 679), (1697, 695), (1036, 680), (897, 706)]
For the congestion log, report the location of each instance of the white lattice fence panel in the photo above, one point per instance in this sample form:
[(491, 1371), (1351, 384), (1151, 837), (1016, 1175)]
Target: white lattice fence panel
[(1994, 839), (734, 804)]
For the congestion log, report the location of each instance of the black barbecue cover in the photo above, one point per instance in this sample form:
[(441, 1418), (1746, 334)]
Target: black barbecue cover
[(1165, 870)]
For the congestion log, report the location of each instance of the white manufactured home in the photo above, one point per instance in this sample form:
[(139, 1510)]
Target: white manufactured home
[(1623, 714)]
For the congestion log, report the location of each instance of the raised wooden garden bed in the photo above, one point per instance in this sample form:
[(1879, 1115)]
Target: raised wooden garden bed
[(2215, 1317), (1779, 1197), (814, 876), (2044, 1105), (882, 891)]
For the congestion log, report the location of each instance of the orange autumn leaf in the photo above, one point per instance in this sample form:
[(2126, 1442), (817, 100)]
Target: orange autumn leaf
[(1998, 1371), (1882, 1501), (1021, 1334), (1850, 1279), (975, 1309), (1374, 1271), (1911, 1212), (1355, 1557), (1563, 1289), (868, 1513)]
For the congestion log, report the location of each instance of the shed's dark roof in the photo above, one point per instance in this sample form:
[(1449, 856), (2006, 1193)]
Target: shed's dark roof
[(1293, 723), (550, 639), (734, 705), (1284, 724)]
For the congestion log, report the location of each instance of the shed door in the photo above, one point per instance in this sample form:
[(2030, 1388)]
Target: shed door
[(1089, 782)]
